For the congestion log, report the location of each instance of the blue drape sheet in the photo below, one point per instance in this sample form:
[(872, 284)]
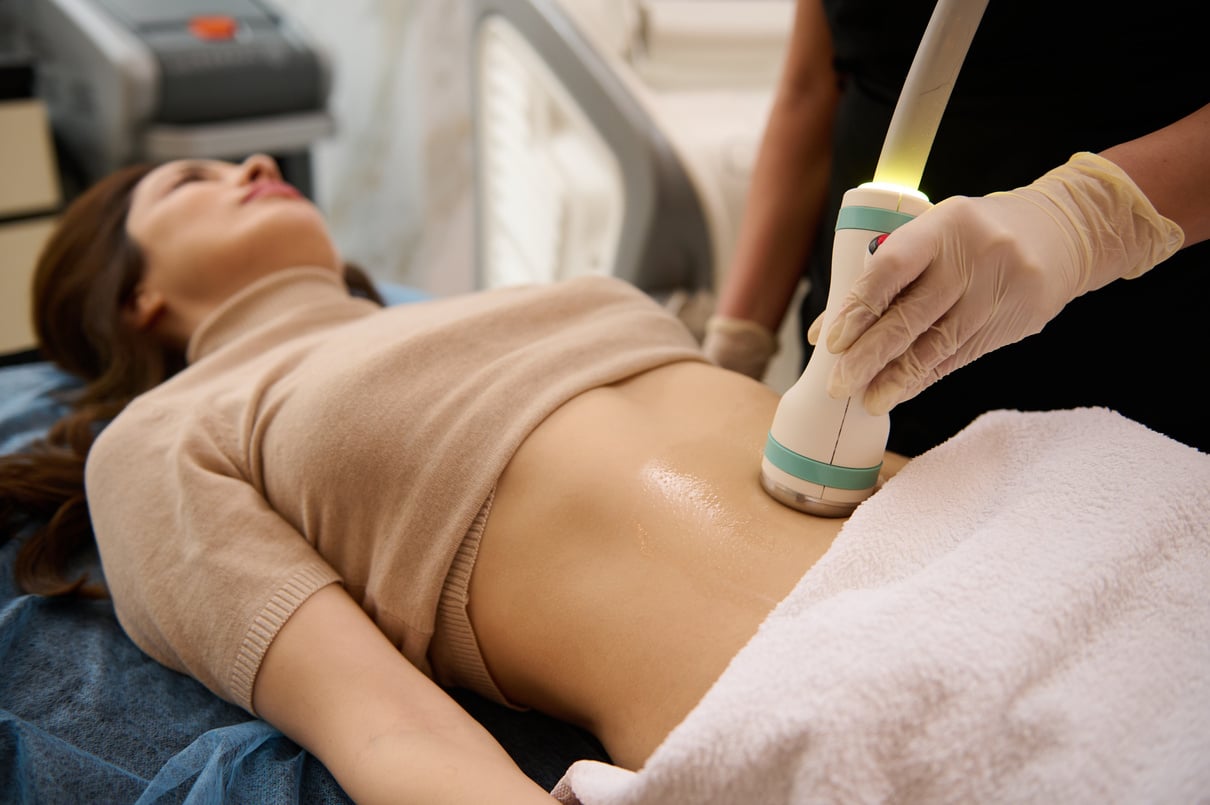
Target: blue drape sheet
[(85, 716)]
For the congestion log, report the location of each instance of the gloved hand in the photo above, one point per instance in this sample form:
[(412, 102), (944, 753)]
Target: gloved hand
[(974, 274), (739, 345)]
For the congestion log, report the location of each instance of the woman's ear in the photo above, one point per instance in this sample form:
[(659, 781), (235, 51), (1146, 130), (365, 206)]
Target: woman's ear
[(144, 308)]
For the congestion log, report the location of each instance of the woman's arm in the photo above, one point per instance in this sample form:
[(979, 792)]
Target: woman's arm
[(333, 683)]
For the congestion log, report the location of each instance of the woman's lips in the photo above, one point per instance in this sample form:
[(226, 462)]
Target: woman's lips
[(277, 189)]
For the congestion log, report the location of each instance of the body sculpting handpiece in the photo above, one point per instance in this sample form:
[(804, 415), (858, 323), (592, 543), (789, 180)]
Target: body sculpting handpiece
[(823, 455)]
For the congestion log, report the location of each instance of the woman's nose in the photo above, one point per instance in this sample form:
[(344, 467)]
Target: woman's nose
[(259, 167)]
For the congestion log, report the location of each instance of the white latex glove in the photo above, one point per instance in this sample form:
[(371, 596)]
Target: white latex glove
[(814, 330), (971, 275), (739, 345)]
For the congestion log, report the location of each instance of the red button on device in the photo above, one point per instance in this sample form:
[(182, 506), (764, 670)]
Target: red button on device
[(213, 27)]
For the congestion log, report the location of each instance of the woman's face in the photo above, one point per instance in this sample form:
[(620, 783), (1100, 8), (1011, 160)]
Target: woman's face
[(207, 229)]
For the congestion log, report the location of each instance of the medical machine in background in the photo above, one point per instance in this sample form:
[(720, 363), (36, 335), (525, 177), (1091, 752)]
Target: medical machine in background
[(153, 80), (618, 136), (823, 455)]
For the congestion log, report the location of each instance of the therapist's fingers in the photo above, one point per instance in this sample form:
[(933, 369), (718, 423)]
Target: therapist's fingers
[(945, 346), (874, 351), (968, 330), (899, 260), (814, 329), (923, 310)]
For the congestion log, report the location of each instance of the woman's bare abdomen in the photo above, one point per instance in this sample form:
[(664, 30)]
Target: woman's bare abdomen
[(630, 553)]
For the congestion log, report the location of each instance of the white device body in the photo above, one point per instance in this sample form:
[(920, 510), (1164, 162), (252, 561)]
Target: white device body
[(824, 454)]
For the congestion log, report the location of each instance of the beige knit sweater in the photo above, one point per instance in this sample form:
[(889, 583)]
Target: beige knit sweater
[(315, 437)]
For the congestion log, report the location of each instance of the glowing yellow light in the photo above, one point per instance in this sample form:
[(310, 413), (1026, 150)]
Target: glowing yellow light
[(895, 188)]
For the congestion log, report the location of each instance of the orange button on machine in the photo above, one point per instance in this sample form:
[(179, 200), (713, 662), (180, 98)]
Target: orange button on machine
[(213, 27)]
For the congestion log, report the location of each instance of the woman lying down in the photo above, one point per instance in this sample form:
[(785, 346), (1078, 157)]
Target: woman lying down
[(326, 510)]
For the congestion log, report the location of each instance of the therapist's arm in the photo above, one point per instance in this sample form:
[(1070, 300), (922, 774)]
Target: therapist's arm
[(789, 180), (334, 684), (1172, 168)]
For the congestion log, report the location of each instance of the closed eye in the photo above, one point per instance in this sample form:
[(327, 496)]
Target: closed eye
[(190, 174)]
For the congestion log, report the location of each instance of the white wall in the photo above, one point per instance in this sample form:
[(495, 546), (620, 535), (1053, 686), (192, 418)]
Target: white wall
[(395, 180)]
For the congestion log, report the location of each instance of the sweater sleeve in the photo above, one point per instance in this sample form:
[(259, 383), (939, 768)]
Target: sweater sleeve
[(203, 573)]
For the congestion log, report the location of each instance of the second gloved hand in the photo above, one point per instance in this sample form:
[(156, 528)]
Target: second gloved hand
[(739, 345), (974, 274)]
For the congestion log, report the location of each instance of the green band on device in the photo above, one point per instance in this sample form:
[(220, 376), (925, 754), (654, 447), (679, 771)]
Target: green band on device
[(817, 472), (874, 219)]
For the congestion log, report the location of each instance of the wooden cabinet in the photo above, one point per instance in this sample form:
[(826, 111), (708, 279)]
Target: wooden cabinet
[(29, 201)]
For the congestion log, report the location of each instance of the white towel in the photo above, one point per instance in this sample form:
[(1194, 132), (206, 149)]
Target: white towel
[(1021, 615)]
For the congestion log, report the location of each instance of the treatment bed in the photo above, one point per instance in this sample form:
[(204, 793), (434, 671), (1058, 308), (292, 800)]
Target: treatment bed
[(1021, 614)]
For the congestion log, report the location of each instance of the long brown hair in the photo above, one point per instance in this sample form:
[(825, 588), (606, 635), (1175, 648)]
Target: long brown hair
[(85, 274)]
